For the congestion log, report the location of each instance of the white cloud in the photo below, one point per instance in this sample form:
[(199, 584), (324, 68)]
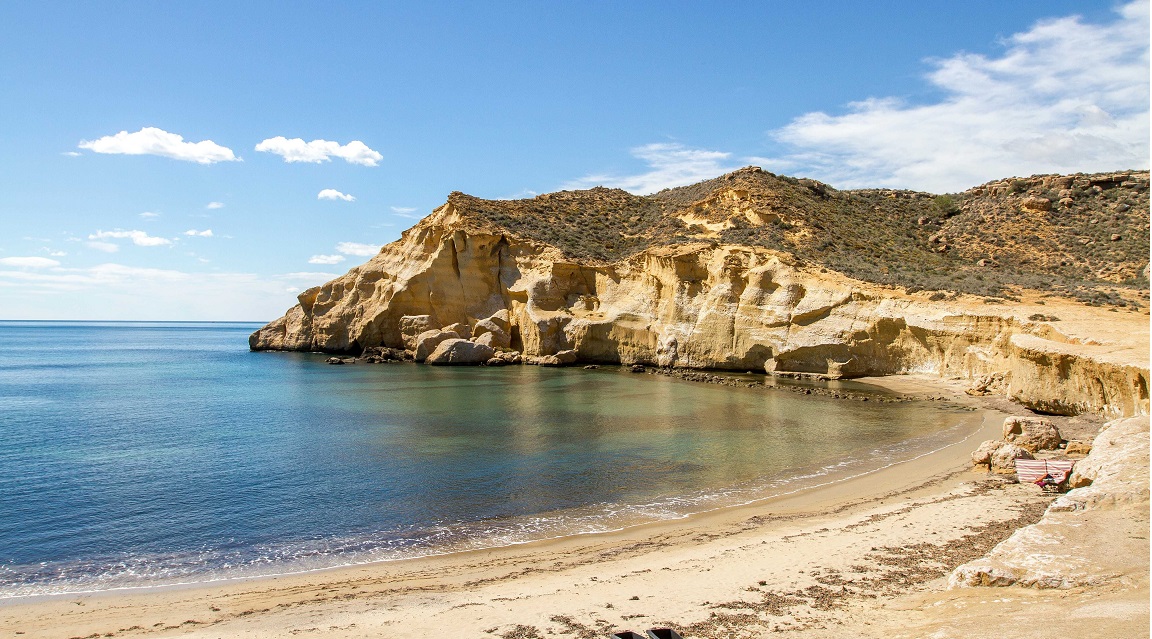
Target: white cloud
[(148, 215), (139, 238), (669, 164), (107, 247), (215, 205), (326, 259), (153, 141), (195, 233), (355, 248), (28, 262), (297, 150), (1062, 97), (116, 291), (333, 194), (54, 253), (71, 154)]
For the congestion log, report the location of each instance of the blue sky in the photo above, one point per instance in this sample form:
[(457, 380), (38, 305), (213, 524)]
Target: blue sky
[(209, 160)]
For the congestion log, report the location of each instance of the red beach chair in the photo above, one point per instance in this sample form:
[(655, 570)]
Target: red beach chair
[(1048, 474)]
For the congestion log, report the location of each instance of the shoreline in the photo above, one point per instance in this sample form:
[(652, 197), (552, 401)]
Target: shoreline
[(926, 477)]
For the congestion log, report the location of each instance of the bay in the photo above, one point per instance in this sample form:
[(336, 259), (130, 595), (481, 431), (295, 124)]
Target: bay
[(137, 454)]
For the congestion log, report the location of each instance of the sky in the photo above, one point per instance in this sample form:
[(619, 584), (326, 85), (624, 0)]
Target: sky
[(211, 160)]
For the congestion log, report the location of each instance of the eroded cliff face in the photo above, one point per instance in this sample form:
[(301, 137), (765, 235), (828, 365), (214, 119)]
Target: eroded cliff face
[(704, 305)]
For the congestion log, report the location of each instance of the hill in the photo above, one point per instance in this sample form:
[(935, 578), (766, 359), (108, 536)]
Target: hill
[(1081, 236)]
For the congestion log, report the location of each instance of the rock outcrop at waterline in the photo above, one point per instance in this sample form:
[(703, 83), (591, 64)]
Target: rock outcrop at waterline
[(747, 272)]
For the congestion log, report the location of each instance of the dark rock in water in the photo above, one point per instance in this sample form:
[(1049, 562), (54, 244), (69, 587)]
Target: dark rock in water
[(591, 367), (510, 357), (335, 361), (547, 360), (637, 368), (496, 361), (378, 354)]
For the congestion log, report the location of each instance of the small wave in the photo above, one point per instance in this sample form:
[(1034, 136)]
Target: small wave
[(205, 565)]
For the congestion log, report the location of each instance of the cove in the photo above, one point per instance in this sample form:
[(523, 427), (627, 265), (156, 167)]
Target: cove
[(150, 453)]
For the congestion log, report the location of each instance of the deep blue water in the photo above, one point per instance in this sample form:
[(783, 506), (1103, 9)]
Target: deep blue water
[(140, 453)]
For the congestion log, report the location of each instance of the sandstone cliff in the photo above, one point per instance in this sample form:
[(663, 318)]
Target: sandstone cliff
[(756, 272)]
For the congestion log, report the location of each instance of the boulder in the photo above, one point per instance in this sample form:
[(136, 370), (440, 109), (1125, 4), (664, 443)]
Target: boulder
[(494, 338), (1078, 447), (496, 361), (411, 326), (982, 456), (547, 360), (460, 328), (1037, 204), (1005, 456), (1031, 433), (567, 357), (512, 357), (427, 342), (498, 322), (459, 351)]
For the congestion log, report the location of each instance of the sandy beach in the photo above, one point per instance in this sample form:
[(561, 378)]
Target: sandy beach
[(865, 557)]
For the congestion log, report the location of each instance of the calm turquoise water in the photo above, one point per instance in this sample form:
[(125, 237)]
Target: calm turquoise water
[(143, 453)]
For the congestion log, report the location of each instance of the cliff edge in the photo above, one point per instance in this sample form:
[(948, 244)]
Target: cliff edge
[(1032, 287)]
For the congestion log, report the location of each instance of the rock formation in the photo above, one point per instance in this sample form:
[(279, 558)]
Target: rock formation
[(753, 271), (1094, 534)]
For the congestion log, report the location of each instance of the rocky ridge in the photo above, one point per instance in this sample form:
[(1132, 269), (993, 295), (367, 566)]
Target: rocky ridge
[(753, 271)]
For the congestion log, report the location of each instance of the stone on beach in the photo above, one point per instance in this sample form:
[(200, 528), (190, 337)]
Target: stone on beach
[(1032, 433), (1004, 459)]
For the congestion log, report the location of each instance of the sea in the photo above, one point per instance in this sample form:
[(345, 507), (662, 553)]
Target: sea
[(141, 454)]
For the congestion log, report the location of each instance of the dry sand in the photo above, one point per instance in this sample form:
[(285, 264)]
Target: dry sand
[(867, 557)]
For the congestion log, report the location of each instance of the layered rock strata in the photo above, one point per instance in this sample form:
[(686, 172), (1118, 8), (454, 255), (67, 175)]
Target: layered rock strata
[(690, 304)]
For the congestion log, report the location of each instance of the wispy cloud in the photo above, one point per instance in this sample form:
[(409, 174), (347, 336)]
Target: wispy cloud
[(355, 248), (154, 141), (54, 253), (405, 211), (214, 205), (105, 247), (669, 165), (71, 154), (333, 194), (195, 233), (1064, 96), (149, 215), (29, 262), (297, 150), (139, 238), (326, 259), (117, 291)]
